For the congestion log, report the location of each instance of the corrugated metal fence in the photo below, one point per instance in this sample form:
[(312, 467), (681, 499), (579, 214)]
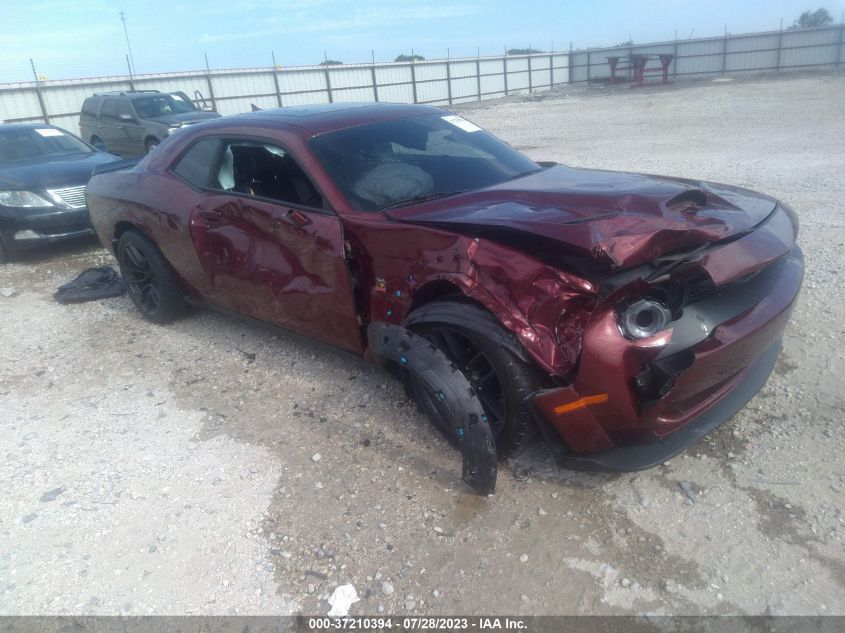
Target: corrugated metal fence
[(790, 50), (439, 82)]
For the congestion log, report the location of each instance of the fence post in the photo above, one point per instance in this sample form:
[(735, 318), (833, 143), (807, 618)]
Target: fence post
[(530, 80), (276, 80), (551, 71), (328, 83), (38, 93), (505, 71), (588, 66), (780, 41), (373, 75), (675, 57), (841, 39), (725, 51), (413, 76), (210, 84), (478, 74), (449, 76)]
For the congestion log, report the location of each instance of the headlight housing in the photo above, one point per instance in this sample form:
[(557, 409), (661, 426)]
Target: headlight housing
[(23, 199), (644, 318)]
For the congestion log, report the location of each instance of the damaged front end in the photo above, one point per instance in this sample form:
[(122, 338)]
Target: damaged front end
[(674, 349)]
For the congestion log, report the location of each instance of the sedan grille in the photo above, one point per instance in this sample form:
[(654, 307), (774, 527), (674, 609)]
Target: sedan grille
[(71, 196)]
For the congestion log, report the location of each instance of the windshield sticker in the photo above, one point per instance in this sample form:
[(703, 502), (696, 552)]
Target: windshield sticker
[(49, 131), (460, 122)]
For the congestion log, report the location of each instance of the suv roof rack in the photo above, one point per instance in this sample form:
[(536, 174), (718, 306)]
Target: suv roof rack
[(126, 92)]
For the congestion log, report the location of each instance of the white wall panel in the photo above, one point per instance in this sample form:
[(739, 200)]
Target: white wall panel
[(350, 77), (19, 104), (353, 94), (433, 91), (424, 72), (462, 88)]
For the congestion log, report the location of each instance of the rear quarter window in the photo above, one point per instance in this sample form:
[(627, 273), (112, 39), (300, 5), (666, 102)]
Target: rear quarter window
[(194, 167), (89, 107)]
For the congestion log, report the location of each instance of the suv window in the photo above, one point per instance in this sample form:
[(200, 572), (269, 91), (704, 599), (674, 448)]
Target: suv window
[(123, 107), (195, 164), (109, 110), (89, 107), (264, 170)]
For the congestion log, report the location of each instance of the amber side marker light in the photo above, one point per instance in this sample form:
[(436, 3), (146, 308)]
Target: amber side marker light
[(580, 404)]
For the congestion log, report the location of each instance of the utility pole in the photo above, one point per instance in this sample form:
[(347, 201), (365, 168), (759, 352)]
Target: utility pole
[(128, 45)]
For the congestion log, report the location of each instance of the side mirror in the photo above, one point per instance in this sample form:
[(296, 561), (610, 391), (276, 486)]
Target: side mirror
[(126, 118)]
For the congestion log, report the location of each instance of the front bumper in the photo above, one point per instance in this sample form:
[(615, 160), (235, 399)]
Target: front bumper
[(21, 229), (712, 361), (643, 456)]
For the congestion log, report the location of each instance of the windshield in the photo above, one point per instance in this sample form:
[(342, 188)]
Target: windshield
[(25, 143), (391, 163), (162, 105)]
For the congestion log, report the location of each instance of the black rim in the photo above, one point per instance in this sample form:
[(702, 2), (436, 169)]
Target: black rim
[(140, 280), (474, 364)]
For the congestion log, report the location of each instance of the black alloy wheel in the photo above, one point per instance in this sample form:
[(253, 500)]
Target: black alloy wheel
[(140, 280)]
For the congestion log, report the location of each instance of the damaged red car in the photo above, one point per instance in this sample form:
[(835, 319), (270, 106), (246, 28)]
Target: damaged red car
[(622, 316)]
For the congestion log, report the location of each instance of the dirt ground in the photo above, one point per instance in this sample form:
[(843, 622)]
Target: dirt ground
[(211, 467)]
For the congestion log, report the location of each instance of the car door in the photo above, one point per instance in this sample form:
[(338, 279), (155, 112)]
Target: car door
[(129, 129), (267, 247), (107, 128)]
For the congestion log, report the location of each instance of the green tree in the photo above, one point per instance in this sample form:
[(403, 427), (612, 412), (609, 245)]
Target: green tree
[(810, 19), (409, 58), (331, 62)]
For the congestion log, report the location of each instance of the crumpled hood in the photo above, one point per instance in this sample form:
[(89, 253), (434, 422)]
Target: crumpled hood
[(185, 118), (621, 219), (47, 172)]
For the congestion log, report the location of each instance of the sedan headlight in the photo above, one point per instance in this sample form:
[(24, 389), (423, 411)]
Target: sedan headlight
[(644, 318), (23, 199)]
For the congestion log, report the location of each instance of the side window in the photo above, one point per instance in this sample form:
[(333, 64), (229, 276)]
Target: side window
[(109, 110), (123, 107), (264, 170), (89, 107), (195, 164)]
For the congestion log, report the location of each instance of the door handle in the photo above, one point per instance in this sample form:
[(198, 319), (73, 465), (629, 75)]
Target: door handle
[(296, 218)]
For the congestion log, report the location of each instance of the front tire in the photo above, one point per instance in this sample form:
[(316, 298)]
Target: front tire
[(471, 337), (150, 144), (150, 282), (98, 143)]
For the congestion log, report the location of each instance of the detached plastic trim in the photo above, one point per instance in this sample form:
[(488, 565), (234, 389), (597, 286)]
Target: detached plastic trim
[(397, 346)]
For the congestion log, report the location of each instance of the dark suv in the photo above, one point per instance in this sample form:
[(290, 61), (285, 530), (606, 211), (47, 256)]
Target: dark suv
[(133, 123)]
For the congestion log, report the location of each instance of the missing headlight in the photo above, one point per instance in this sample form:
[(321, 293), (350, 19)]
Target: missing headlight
[(644, 318)]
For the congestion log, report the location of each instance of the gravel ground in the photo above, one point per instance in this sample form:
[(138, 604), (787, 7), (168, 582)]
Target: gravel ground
[(212, 467)]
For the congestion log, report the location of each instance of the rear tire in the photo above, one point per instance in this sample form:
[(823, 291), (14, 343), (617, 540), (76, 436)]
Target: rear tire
[(150, 281), (150, 144), (467, 334), (4, 253), (98, 143)]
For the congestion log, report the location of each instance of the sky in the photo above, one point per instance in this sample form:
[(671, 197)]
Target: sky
[(85, 38)]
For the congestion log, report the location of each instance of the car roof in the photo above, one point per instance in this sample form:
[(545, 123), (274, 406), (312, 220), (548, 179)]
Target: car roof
[(326, 117), (129, 94)]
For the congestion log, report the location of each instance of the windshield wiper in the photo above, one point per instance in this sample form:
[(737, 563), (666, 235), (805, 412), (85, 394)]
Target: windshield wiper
[(420, 198)]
